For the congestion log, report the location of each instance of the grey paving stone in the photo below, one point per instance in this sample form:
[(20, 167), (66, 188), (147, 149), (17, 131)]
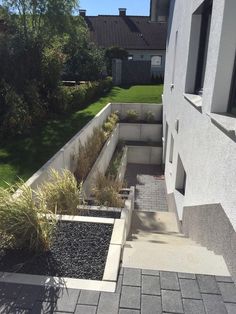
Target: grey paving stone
[(193, 306), (189, 289), (88, 297), (119, 284), (171, 301), (169, 280), (108, 303), (28, 296), (186, 276), (151, 285), (214, 304), (208, 284), (228, 291), (231, 308), (151, 304), (85, 309), (67, 300), (150, 272), (132, 277), (223, 279), (130, 297), (126, 311)]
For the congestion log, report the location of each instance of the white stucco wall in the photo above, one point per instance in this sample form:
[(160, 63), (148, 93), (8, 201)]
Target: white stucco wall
[(208, 154)]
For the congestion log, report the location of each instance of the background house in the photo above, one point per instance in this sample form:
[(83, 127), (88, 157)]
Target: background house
[(144, 37), (200, 123)]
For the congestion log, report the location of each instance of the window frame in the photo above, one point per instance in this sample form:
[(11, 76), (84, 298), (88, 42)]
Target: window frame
[(157, 66)]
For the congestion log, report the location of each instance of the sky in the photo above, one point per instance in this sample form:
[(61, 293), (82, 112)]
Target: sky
[(134, 7)]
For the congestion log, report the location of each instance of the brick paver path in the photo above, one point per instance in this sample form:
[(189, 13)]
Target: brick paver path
[(150, 189), (138, 292)]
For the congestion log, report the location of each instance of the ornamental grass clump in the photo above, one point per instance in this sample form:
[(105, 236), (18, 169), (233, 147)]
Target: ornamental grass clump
[(88, 153), (106, 191), (23, 223), (61, 193), (132, 116), (149, 117), (110, 123)]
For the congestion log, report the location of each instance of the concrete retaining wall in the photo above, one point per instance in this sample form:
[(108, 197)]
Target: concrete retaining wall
[(102, 162), (210, 226), (141, 109), (63, 159), (141, 132), (146, 155)]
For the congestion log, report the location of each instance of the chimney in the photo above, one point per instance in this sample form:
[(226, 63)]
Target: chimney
[(159, 10), (122, 11), (82, 13)]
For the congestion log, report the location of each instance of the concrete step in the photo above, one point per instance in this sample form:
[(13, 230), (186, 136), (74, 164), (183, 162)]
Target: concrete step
[(167, 257), (171, 238)]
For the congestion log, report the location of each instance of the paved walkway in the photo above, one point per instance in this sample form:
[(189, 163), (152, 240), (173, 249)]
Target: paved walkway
[(150, 191), (138, 292)]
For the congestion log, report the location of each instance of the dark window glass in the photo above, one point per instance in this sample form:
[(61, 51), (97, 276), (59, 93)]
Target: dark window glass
[(206, 11), (232, 98)]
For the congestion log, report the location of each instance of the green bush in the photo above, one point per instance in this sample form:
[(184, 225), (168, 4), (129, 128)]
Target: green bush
[(61, 194), (17, 116), (110, 123), (23, 224)]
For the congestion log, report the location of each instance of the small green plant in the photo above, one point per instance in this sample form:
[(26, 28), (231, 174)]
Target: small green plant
[(149, 117), (23, 223), (132, 116), (61, 193), (106, 191)]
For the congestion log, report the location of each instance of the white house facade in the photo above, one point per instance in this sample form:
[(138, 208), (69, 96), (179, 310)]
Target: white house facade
[(200, 122)]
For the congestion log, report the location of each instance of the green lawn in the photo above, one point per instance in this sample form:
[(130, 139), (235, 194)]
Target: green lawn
[(21, 157)]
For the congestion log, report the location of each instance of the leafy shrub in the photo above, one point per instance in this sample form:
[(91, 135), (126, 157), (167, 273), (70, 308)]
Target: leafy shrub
[(61, 193), (106, 191), (149, 117), (24, 224), (132, 116), (17, 117)]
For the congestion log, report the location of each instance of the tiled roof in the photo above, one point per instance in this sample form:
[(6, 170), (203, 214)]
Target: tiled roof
[(128, 32)]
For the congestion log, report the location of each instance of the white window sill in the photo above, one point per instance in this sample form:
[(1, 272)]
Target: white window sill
[(195, 100), (225, 122)]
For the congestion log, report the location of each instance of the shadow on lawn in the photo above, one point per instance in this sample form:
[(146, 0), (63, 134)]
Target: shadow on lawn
[(28, 153)]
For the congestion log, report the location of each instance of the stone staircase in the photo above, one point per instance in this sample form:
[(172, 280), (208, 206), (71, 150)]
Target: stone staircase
[(156, 243)]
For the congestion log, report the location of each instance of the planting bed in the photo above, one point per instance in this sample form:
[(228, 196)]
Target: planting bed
[(78, 250), (101, 213)]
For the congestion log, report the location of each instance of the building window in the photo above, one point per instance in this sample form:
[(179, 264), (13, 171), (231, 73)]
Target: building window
[(156, 61), (198, 48), (181, 177), (232, 99), (171, 149), (205, 11), (130, 57)]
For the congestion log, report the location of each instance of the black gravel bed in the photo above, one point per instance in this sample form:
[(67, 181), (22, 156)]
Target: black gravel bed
[(78, 250), (101, 213)]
